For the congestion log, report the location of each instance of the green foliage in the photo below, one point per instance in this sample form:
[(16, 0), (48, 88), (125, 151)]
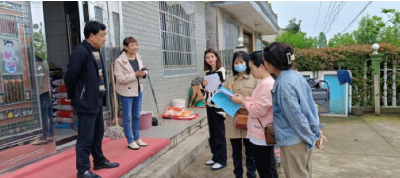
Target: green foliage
[(341, 39), (297, 40), (368, 30), (321, 40), (39, 41), (395, 15), (391, 33), (293, 27), (353, 57)]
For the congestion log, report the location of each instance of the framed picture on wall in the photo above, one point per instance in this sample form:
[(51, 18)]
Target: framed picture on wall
[(10, 53)]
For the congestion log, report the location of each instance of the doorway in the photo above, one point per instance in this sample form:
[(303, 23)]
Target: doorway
[(248, 41), (62, 26)]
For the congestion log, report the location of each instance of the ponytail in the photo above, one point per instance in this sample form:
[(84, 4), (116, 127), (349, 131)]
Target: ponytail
[(124, 50)]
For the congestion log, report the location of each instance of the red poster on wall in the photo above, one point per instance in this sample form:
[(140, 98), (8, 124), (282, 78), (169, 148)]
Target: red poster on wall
[(24, 59)]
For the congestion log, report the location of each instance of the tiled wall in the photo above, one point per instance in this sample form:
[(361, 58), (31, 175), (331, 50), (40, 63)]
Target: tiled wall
[(141, 20), (56, 33)]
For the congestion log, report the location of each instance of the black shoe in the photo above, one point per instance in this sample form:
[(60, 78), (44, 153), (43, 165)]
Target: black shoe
[(106, 165), (88, 174)]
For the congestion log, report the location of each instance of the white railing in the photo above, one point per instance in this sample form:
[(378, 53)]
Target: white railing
[(385, 70)]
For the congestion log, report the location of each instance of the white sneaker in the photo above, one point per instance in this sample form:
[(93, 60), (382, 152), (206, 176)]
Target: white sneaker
[(210, 162), (217, 166), (133, 146), (39, 142), (141, 143)]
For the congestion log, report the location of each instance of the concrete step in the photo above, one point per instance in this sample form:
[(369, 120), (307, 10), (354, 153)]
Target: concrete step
[(177, 131), (175, 160)]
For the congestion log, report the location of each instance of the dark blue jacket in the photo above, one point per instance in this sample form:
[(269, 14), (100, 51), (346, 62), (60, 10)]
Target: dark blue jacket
[(82, 79)]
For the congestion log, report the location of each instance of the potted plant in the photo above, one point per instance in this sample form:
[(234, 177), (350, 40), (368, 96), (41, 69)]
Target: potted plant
[(357, 110)]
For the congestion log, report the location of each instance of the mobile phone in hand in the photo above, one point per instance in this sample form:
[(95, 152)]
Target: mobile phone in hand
[(144, 69), (319, 143)]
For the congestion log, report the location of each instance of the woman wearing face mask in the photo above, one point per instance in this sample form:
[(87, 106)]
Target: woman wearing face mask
[(243, 83), (129, 85), (259, 106), (215, 115), (296, 119)]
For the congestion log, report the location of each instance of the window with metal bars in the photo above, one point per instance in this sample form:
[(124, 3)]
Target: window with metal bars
[(98, 14), (231, 32), (178, 38)]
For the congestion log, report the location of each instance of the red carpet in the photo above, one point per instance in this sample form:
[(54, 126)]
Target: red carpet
[(63, 165)]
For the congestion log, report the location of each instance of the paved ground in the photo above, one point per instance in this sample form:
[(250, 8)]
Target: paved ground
[(357, 147)]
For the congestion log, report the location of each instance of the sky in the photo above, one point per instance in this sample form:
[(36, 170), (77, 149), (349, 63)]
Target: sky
[(307, 12)]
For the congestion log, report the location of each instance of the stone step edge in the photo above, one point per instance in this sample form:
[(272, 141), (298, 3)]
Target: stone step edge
[(174, 141), (175, 160)]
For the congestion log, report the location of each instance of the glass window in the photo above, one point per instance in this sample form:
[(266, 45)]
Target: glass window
[(178, 38), (231, 33)]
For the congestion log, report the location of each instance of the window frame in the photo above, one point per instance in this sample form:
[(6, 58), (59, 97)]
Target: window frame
[(183, 34)]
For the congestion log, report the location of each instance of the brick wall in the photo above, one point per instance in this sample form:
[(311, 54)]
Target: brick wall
[(141, 20)]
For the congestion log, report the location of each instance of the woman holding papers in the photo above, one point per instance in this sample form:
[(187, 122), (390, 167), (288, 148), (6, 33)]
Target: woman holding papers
[(296, 119), (259, 106), (215, 115), (243, 83)]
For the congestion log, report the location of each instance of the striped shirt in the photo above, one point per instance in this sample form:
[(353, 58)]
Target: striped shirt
[(208, 95), (99, 62), (135, 66)]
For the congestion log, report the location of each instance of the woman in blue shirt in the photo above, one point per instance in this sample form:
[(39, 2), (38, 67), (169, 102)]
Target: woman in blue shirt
[(296, 119)]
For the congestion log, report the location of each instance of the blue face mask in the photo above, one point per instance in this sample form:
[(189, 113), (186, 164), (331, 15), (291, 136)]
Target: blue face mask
[(240, 68)]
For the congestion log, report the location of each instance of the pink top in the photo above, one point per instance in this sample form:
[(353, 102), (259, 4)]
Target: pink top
[(259, 106)]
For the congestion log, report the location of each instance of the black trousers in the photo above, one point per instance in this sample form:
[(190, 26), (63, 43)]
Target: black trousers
[(265, 161), (237, 157), (217, 141), (90, 137)]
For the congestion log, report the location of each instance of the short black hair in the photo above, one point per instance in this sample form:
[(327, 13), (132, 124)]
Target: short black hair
[(256, 58), (93, 27), (245, 58), (276, 55)]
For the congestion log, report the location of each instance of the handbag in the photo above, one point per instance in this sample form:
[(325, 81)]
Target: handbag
[(269, 133), (241, 121)]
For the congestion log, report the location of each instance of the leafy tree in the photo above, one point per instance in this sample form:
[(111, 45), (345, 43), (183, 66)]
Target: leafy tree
[(341, 39), (297, 40), (391, 33), (368, 30), (321, 40), (39, 41), (293, 27)]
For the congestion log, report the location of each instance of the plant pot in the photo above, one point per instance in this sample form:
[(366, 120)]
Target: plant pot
[(358, 111)]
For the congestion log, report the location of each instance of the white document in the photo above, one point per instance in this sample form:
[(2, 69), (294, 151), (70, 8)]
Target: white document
[(213, 82), (225, 92)]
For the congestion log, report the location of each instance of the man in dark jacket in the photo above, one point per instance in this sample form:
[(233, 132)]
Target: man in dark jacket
[(86, 90)]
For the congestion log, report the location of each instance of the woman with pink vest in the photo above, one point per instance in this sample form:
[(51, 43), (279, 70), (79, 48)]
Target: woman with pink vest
[(259, 106)]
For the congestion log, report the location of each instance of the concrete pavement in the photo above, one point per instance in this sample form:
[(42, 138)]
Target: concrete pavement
[(367, 147)]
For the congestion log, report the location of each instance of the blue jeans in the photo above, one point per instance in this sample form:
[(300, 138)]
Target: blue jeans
[(131, 107), (47, 118)]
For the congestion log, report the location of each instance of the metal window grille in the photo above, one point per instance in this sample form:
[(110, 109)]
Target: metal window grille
[(98, 11), (178, 38), (231, 32), (227, 57), (116, 34)]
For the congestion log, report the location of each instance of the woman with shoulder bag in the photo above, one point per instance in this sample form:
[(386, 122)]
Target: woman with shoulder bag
[(129, 85), (296, 119), (259, 106), (243, 83)]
